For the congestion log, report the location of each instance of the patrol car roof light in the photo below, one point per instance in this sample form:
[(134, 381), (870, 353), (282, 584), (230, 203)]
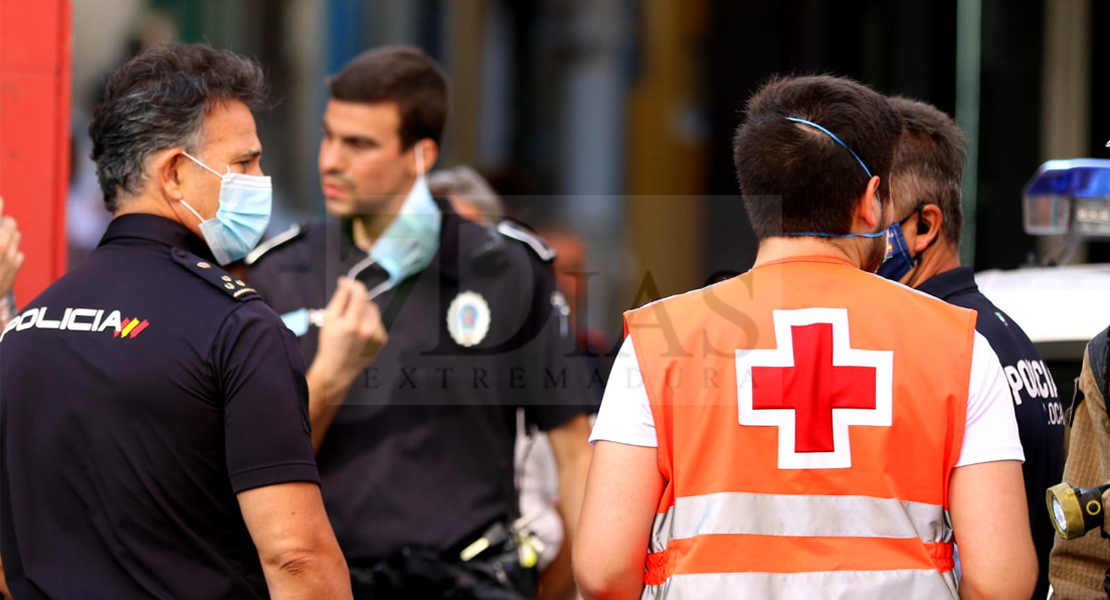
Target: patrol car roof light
[(1069, 197)]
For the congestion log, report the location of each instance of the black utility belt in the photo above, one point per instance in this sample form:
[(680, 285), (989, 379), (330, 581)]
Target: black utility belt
[(488, 569)]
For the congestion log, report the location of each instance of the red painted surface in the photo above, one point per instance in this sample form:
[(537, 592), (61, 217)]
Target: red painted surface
[(35, 55)]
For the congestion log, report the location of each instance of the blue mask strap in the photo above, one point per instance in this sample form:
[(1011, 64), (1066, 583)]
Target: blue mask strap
[(835, 139), (831, 235), (865, 170)]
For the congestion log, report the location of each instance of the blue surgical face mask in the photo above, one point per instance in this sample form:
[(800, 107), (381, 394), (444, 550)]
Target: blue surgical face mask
[(245, 205), (407, 246), (898, 259)]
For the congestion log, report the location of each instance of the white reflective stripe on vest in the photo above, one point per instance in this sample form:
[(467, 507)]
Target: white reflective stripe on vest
[(801, 516), (827, 585)]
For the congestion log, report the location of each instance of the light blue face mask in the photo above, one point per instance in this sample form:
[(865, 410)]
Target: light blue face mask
[(245, 205), (407, 246)]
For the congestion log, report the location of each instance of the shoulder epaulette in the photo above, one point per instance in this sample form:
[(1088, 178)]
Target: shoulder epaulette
[(529, 238), (214, 274), (288, 235)]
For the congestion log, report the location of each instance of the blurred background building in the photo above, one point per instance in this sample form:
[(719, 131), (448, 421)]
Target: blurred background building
[(615, 117)]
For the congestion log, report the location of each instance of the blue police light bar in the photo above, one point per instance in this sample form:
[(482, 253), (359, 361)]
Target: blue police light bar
[(1069, 196)]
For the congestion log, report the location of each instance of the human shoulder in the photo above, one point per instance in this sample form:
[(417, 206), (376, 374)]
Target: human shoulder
[(519, 233), (507, 250), (1007, 338), (917, 300), (696, 298), (1097, 351), (233, 288)]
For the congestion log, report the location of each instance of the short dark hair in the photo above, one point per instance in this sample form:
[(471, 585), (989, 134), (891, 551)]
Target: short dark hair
[(794, 177), (405, 76), (159, 100), (929, 159)]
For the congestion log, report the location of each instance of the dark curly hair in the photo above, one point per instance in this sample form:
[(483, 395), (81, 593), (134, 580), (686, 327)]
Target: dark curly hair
[(158, 100), (405, 76), (794, 177), (929, 164)]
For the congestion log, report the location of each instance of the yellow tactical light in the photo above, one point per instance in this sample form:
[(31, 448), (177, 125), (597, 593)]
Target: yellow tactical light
[(1075, 511)]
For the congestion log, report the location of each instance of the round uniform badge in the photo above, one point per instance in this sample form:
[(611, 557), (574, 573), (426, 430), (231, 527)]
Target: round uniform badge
[(468, 319)]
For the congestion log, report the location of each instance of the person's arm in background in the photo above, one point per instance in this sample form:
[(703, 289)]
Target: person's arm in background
[(991, 524), (986, 491), (623, 489), (622, 495), (11, 260), (270, 461), (562, 409), (351, 337), (570, 444), (300, 556)]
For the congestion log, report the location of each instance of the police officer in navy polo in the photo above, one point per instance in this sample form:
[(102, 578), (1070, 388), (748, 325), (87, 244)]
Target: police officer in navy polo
[(416, 449), (923, 252), (155, 439)]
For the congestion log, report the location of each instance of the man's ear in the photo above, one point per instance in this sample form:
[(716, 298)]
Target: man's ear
[(929, 224), (164, 167), (869, 208), (431, 153)]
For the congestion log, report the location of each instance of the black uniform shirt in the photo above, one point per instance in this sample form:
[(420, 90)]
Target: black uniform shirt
[(138, 395), (1040, 416), (421, 453)]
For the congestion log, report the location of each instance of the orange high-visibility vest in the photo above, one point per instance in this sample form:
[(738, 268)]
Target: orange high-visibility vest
[(809, 415)]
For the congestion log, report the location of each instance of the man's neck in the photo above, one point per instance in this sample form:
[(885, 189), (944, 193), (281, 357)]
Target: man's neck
[(943, 259), (367, 228), (144, 205), (779, 248)]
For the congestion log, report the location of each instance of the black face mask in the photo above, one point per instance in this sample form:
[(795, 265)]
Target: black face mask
[(899, 260)]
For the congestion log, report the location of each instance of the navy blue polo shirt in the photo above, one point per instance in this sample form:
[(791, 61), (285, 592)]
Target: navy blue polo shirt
[(1040, 415), (138, 395), (421, 452)]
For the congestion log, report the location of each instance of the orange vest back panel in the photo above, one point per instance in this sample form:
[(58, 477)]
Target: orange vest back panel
[(808, 415)]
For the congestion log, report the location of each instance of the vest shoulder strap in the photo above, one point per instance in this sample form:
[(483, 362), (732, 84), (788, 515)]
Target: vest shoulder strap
[(1098, 361)]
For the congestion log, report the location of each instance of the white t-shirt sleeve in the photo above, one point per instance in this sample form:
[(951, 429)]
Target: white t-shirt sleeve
[(625, 414), (991, 432)]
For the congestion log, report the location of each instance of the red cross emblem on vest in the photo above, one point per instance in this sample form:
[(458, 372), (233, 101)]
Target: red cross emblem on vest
[(813, 387)]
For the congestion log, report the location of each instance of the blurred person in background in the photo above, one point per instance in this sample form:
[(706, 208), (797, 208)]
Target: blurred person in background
[(571, 254), (793, 432), (469, 193), (571, 272), (153, 418), (86, 219), (11, 261), (416, 446), (536, 471), (924, 248)]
